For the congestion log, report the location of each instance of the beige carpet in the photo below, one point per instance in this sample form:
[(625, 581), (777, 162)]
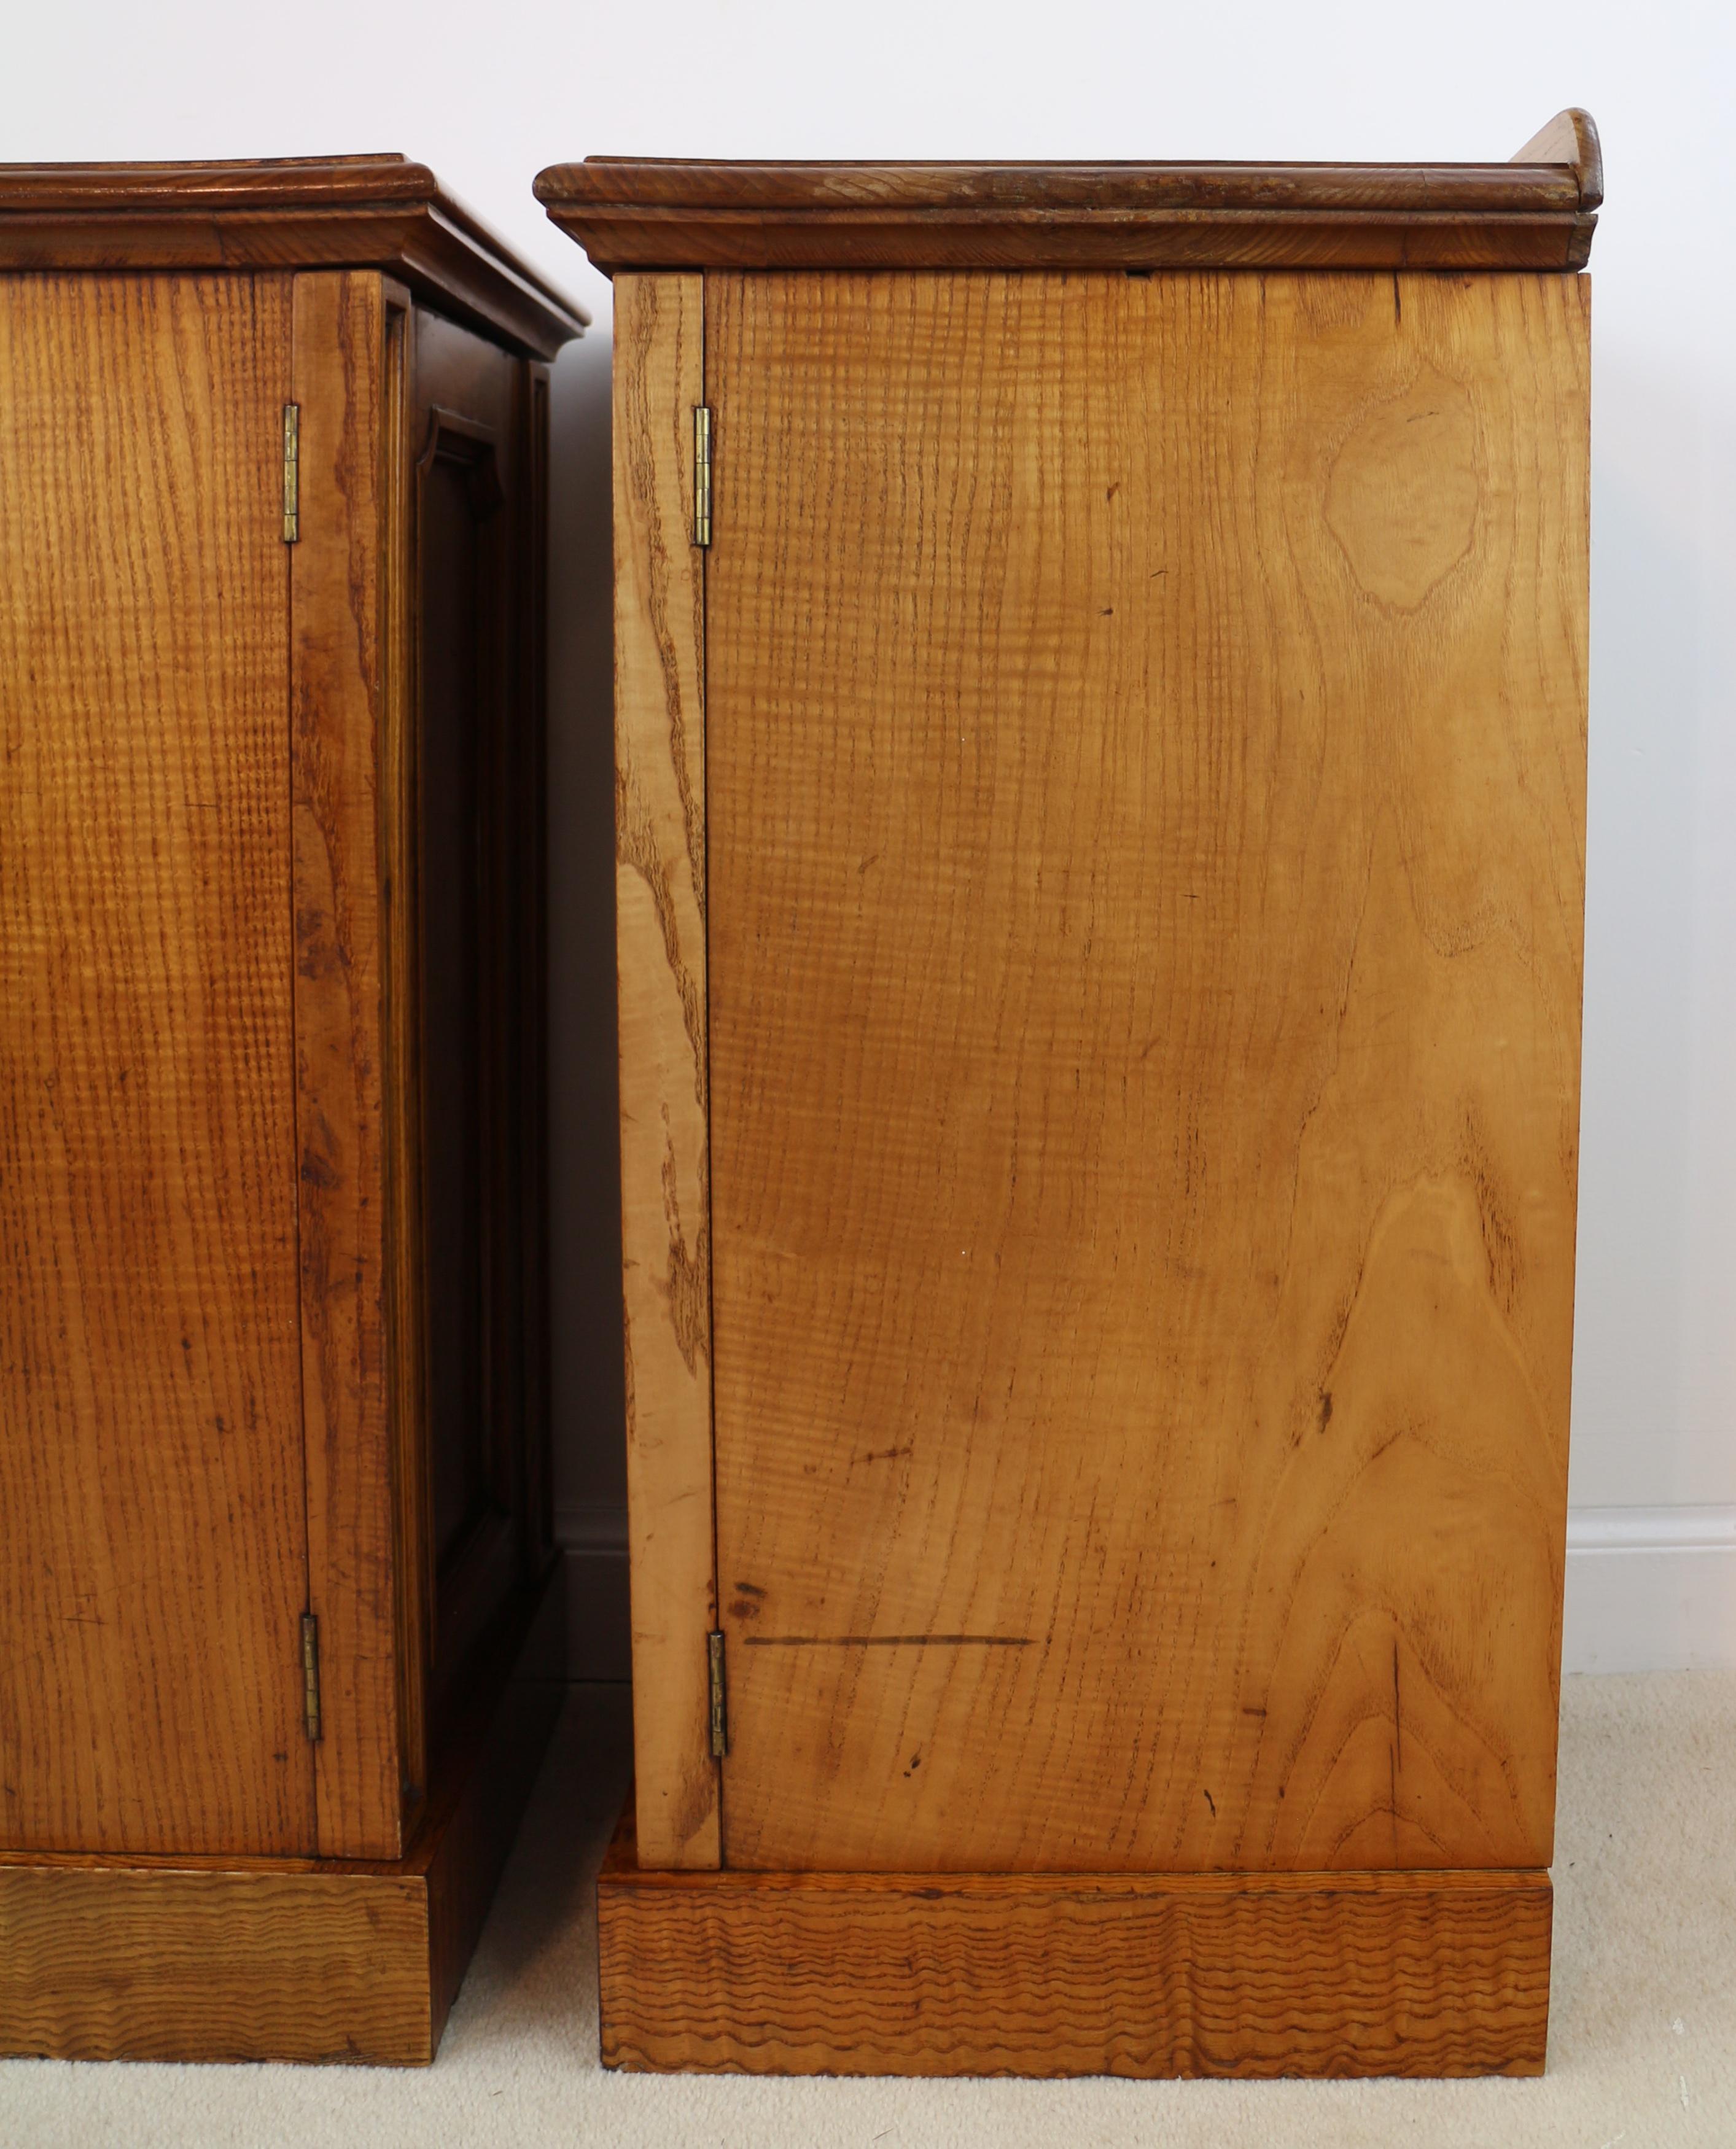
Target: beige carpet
[(1641, 2050)]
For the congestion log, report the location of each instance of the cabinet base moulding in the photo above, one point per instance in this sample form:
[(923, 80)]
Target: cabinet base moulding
[(1147, 1975), (117, 1958)]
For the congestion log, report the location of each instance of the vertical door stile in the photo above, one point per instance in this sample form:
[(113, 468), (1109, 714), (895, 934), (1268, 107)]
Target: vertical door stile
[(666, 1196), (402, 1135), (336, 690)]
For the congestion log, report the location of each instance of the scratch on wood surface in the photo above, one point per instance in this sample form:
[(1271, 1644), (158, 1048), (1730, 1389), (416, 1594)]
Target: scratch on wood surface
[(888, 1641)]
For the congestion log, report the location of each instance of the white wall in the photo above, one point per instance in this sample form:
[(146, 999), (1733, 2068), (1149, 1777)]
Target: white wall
[(488, 94)]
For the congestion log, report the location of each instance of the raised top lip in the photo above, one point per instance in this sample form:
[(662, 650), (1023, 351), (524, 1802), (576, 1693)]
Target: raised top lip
[(691, 181), (1560, 170), (261, 187)]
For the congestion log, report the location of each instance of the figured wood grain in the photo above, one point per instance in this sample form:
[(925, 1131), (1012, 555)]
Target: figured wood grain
[(374, 211), (665, 213), (293, 1958), (1143, 1975), (1146, 751), (660, 897), (105, 1963), (153, 1565), (337, 712)]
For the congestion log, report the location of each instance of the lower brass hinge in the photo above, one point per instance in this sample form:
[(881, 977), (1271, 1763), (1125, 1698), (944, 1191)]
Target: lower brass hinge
[(310, 1673), (292, 472), (720, 1721), (701, 474)]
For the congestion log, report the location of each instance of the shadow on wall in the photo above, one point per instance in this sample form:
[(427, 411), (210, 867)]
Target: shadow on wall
[(589, 1401), (1655, 1347)]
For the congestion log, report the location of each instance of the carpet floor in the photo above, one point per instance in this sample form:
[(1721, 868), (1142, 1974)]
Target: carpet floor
[(1642, 2045)]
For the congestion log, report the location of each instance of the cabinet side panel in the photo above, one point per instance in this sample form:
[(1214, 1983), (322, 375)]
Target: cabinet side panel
[(1145, 742), (660, 893), (152, 1562), (338, 619)]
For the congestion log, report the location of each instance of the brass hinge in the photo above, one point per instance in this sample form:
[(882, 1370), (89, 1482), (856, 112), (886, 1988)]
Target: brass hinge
[(310, 1673), (292, 472), (720, 1724), (701, 474)]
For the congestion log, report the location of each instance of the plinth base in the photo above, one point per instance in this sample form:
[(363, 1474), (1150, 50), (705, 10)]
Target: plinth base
[(1409, 1973)]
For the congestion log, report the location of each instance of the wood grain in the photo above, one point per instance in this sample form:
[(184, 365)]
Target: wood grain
[(151, 1464), (337, 712), (1147, 748), (103, 1963), (372, 212), (667, 213), (293, 1958), (661, 898), (1146, 1975)]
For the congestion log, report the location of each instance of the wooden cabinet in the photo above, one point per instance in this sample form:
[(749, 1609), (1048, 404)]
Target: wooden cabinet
[(1101, 735), (277, 1594)]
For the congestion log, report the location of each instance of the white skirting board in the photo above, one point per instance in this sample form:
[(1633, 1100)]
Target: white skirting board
[(1649, 1589)]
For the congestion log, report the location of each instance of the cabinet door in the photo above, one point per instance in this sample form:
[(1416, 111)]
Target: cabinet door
[(1145, 759), (476, 870), (154, 1556)]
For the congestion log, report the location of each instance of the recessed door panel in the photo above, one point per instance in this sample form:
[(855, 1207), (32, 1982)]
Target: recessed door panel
[(474, 877), (1145, 731)]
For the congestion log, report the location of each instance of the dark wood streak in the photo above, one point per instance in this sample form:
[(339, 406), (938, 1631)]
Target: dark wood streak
[(888, 1641)]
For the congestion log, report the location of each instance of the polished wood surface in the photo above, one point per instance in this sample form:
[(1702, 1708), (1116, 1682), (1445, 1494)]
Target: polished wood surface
[(1534, 211), (375, 212), (660, 927), (337, 597), (151, 1473), (286, 1958), (1146, 1975), (1145, 759)]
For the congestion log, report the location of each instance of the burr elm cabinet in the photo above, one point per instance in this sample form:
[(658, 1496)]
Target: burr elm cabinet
[(278, 1632), (1101, 750)]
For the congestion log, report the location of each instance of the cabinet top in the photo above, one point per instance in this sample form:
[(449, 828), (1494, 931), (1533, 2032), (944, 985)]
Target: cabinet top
[(1535, 212), (380, 212)]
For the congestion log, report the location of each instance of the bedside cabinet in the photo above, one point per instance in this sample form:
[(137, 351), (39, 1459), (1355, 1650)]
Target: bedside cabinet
[(279, 1635), (1101, 660)]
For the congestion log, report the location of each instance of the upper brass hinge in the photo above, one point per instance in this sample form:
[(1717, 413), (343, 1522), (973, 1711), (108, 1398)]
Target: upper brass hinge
[(701, 474), (720, 1721), (310, 1673), (292, 472)]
